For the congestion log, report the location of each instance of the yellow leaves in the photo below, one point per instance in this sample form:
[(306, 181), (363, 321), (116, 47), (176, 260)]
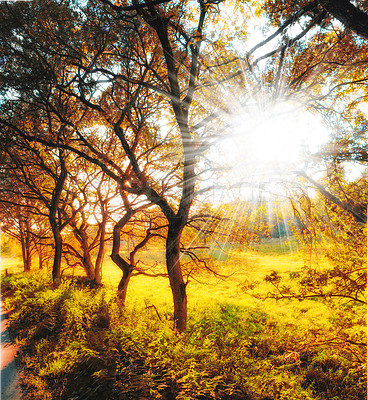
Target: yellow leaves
[(28, 127), (258, 12), (329, 37)]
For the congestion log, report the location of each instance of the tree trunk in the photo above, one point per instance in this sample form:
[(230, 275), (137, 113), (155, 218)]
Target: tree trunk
[(178, 287), (28, 261), (55, 220), (25, 245), (28, 241), (101, 250), (126, 268), (123, 285), (82, 237), (40, 257), (58, 242), (348, 14), (26, 256)]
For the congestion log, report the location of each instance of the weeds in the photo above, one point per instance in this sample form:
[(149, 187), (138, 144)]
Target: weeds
[(78, 343)]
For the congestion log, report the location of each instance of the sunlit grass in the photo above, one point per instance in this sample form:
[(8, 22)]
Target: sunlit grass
[(243, 285), (82, 341), (243, 274), (12, 264)]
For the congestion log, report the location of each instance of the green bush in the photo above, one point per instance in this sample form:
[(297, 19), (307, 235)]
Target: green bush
[(331, 377), (78, 343)]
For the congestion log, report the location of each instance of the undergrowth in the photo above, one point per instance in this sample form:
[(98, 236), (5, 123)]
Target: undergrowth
[(78, 343)]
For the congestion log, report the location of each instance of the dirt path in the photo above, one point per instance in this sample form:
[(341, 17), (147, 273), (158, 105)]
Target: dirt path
[(10, 389)]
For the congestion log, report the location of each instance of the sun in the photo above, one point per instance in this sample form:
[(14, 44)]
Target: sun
[(268, 144)]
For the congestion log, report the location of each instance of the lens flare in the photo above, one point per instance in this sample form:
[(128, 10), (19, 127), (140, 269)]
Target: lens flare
[(265, 145)]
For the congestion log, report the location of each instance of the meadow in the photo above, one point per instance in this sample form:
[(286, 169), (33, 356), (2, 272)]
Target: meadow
[(79, 343)]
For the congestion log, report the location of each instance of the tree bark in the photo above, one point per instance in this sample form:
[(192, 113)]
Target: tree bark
[(28, 241), (125, 267), (54, 218), (101, 250), (25, 244), (124, 282), (178, 287), (25, 251), (58, 242), (82, 237), (356, 211), (349, 15)]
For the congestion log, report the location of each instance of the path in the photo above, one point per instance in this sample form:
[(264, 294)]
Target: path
[(10, 389)]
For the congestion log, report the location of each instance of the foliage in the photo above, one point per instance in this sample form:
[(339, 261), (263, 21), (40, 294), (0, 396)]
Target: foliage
[(98, 91), (9, 247), (325, 231), (79, 343)]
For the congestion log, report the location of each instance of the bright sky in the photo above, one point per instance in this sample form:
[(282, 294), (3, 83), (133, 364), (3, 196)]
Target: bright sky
[(268, 145)]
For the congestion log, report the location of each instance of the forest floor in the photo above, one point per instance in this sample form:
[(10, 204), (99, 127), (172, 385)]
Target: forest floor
[(241, 344)]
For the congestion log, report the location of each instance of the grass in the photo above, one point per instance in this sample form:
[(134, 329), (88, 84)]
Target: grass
[(11, 265), (79, 343)]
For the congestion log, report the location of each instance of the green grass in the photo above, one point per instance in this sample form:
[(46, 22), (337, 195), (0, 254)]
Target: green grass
[(79, 343)]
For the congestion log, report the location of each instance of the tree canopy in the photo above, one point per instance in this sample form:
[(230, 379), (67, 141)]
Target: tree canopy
[(110, 112)]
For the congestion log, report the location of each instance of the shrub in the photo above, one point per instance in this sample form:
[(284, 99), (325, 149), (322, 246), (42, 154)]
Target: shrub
[(78, 343)]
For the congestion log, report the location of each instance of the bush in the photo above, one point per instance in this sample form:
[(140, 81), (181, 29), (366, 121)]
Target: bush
[(334, 378), (78, 343)]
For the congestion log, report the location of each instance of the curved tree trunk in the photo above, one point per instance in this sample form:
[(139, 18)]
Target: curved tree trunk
[(123, 285), (127, 270), (125, 267), (58, 242), (55, 220)]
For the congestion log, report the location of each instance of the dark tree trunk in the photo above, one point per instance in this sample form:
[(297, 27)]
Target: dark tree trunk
[(28, 242), (58, 243), (25, 245), (125, 267), (55, 220), (127, 270), (349, 15), (28, 260), (82, 237), (123, 284), (101, 249), (26, 252), (177, 284)]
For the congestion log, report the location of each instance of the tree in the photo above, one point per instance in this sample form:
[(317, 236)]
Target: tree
[(88, 219), (326, 230), (352, 16), (122, 86), (323, 69), (22, 196), (16, 223), (166, 66)]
